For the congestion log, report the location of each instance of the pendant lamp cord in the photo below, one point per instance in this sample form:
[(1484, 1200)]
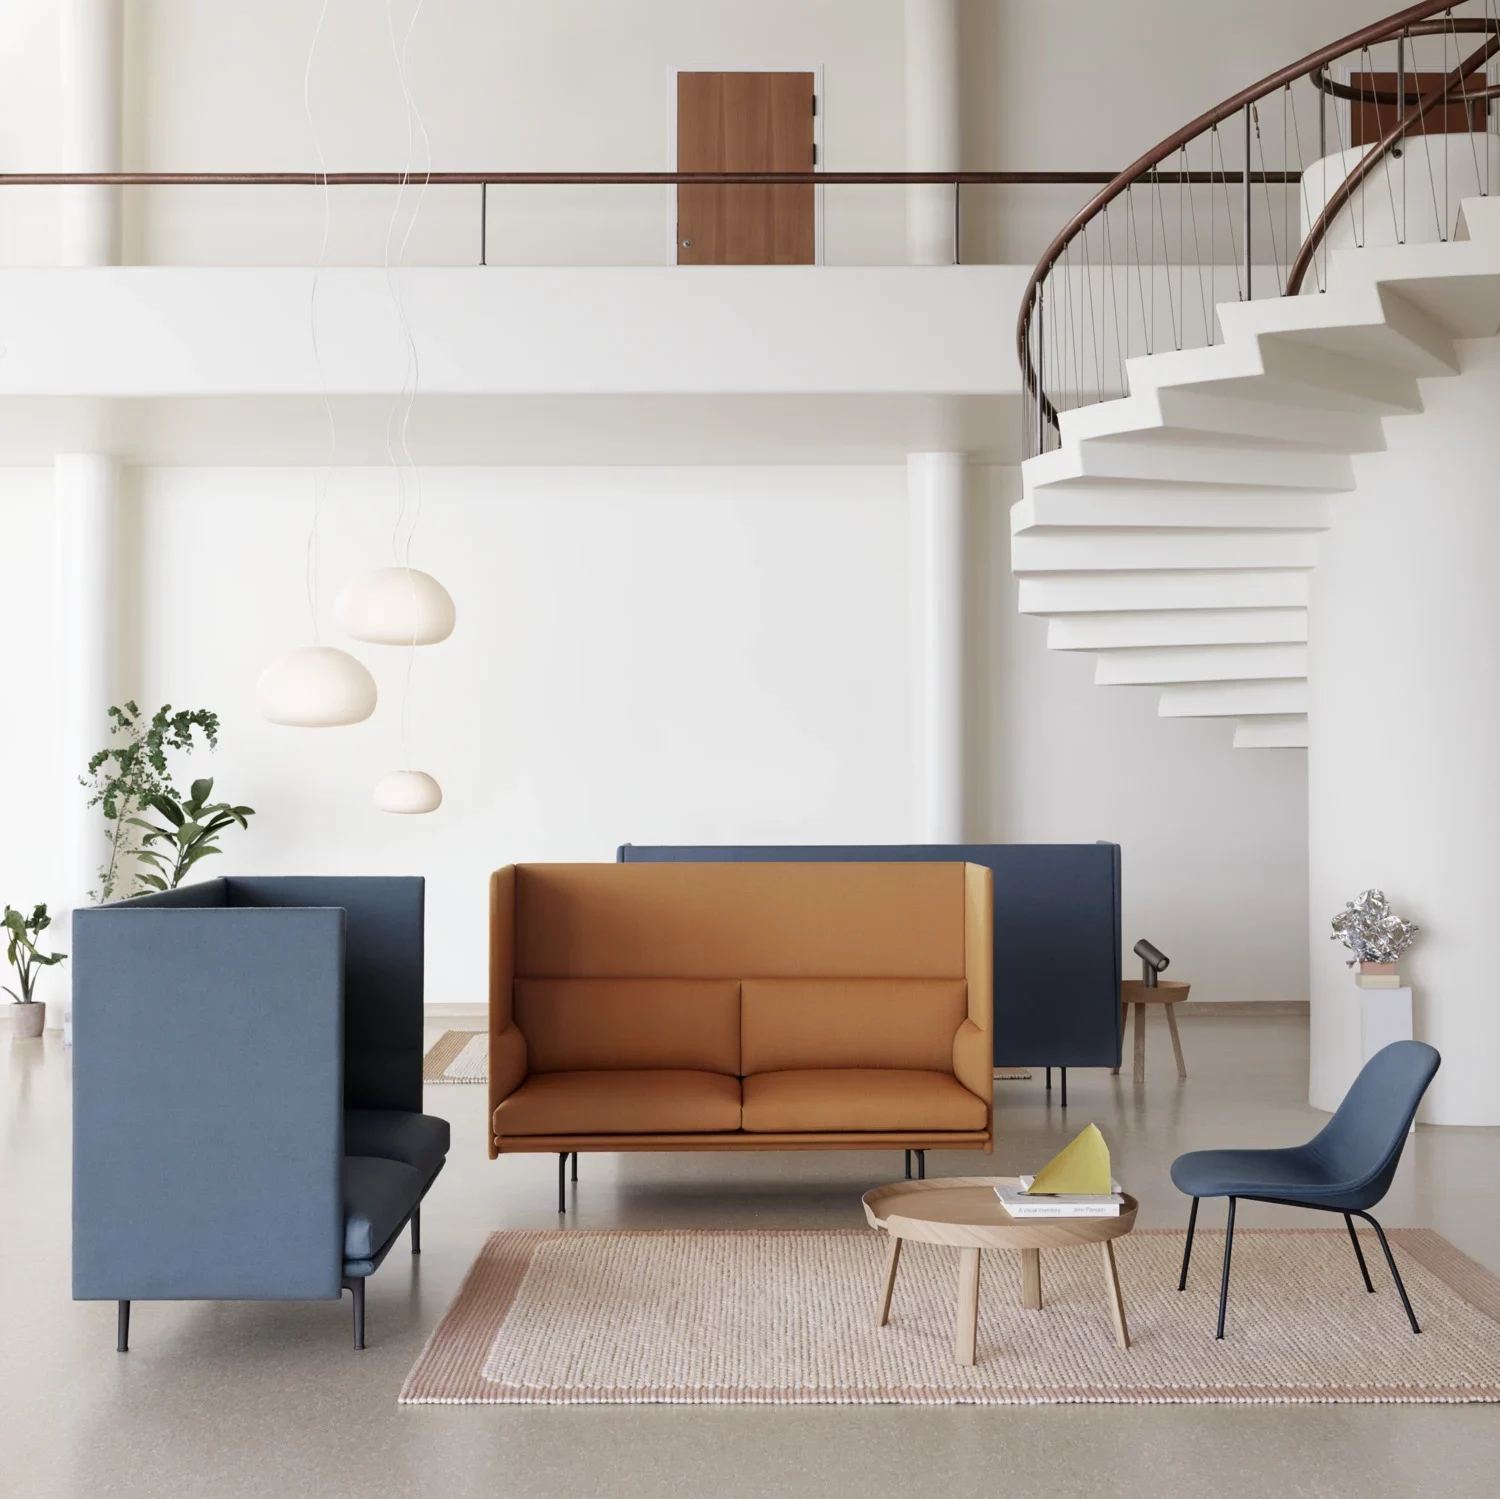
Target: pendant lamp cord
[(325, 472), (398, 421)]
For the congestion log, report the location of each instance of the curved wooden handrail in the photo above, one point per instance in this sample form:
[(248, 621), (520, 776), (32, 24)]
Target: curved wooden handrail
[(1434, 99), (1388, 29), (1453, 26)]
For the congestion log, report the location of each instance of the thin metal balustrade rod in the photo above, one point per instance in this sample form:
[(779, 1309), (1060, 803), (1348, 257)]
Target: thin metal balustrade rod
[(1249, 204)]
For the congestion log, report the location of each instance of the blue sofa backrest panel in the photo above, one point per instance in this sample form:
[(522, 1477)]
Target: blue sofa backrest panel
[(1057, 935), (382, 976), (208, 1109)]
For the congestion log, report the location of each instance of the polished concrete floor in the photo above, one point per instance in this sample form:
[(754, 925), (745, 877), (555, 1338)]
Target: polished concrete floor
[(231, 1399)]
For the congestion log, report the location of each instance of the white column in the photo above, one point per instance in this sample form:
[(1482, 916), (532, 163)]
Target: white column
[(86, 495), (92, 52), (1404, 721), (935, 489), (932, 126)]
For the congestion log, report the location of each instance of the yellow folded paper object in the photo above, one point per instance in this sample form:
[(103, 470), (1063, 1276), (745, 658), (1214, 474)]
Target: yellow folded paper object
[(1081, 1166)]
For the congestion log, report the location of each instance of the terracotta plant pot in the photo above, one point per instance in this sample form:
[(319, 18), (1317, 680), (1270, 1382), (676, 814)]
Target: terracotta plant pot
[(28, 1021)]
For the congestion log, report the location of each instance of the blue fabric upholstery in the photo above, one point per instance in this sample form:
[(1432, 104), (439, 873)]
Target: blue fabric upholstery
[(420, 1140), (1057, 935), (1349, 1164), (221, 1031), (378, 1198)]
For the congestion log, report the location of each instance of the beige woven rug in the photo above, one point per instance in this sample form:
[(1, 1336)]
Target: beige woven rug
[(464, 1057), (787, 1318), (458, 1057)]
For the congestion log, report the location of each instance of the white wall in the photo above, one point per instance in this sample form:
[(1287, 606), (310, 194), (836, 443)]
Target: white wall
[(1404, 708), (1214, 839), (641, 654), (648, 654)]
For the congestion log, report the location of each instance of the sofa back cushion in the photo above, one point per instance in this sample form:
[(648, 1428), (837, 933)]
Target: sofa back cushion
[(589, 1024), (695, 921), (787, 1024)]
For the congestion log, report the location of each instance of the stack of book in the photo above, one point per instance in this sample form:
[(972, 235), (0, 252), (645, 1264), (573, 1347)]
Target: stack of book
[(1019, 1202)]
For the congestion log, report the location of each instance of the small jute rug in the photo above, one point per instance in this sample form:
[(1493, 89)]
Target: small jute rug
[(575, 1316), (458, 1057), (464, 1057)]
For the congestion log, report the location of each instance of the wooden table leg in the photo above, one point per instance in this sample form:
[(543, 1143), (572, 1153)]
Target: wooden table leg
[(1176, 1040), (1112, 1290), (892, 1257), (966, 1329), (1140, 1043), (1031, 1279)]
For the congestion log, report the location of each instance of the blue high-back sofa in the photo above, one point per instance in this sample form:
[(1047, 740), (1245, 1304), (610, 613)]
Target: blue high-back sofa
[(247, 1083), (1057, 935)]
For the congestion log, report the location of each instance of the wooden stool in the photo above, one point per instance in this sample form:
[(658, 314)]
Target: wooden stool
[(1168, 992)]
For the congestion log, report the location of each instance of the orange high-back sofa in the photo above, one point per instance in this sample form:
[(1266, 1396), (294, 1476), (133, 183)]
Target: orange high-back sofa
[(740, 1007)]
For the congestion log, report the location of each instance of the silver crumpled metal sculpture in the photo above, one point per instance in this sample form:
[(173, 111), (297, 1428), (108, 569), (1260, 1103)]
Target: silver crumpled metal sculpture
[(1371, 930)]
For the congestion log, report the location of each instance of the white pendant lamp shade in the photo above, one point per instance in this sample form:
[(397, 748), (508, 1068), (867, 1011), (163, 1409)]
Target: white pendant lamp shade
[(408, 791), (315, 687), (396, 606)]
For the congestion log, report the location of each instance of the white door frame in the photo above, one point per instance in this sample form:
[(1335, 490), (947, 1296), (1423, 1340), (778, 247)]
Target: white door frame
[(819, 165)]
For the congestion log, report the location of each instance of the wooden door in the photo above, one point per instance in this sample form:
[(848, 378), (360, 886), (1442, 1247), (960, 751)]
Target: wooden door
[(745, 122), (1368, 121)]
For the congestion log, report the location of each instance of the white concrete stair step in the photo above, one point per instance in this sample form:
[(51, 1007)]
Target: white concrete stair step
[(1169, 463), (1187, 417), (1100, 550), (1272, 731), (1097, 593), (1158, 665), (1232, 699), (1176, 627), (1364, 321), (1068, 508)]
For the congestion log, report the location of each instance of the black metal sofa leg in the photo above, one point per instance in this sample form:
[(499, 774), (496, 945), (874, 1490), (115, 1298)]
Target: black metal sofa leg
[(1187, 1248), (1064, 1072), (1359, 1254), (575, 1166), (122, 1327), (921, 1165), (1224, 1284), (1390, 1260), (357, 1290), (416, 1229)]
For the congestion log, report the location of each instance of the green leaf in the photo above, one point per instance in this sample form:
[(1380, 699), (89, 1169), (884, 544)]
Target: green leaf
[(202, 790), (168, 809), (154, 882)]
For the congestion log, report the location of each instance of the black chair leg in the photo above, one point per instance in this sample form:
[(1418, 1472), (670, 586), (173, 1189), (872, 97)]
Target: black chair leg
[(416, 1229), (908, 1165), (1187, 1249), (575, 1165), (122, 1327), (1390, 1260), (1359, 1253), (921, 1165), (1224, 1285), (1049, 1079), (1064, 1072), (357, 1289)]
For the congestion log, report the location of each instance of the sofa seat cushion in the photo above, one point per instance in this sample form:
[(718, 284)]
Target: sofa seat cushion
[(659, 1101), (419, 1140), (816, 1100), (378, 1197)]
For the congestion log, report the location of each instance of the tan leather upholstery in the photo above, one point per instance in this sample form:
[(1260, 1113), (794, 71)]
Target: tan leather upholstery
[(863, 1098), (910, 1023), (823, 1004), (648, 1101), (579, 1025), (740, 920)]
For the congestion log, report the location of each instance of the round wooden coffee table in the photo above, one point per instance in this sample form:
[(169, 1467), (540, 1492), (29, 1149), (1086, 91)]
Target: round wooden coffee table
[(964, 1211)]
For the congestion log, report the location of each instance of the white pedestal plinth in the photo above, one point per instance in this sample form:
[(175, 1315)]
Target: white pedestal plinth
[(1384, 1016)]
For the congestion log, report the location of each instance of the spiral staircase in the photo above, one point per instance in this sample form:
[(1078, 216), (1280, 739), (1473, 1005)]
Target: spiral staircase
[(1173, 530)]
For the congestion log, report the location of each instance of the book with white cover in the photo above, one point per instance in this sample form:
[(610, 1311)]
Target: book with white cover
[(1019, 1204)]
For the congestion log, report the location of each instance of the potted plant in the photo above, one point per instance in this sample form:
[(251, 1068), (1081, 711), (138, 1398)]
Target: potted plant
[(22, 954), (191, 832)]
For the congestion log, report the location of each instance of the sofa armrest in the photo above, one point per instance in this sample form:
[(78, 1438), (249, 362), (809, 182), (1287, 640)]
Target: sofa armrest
[(973, 1059), (507, 1065)]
